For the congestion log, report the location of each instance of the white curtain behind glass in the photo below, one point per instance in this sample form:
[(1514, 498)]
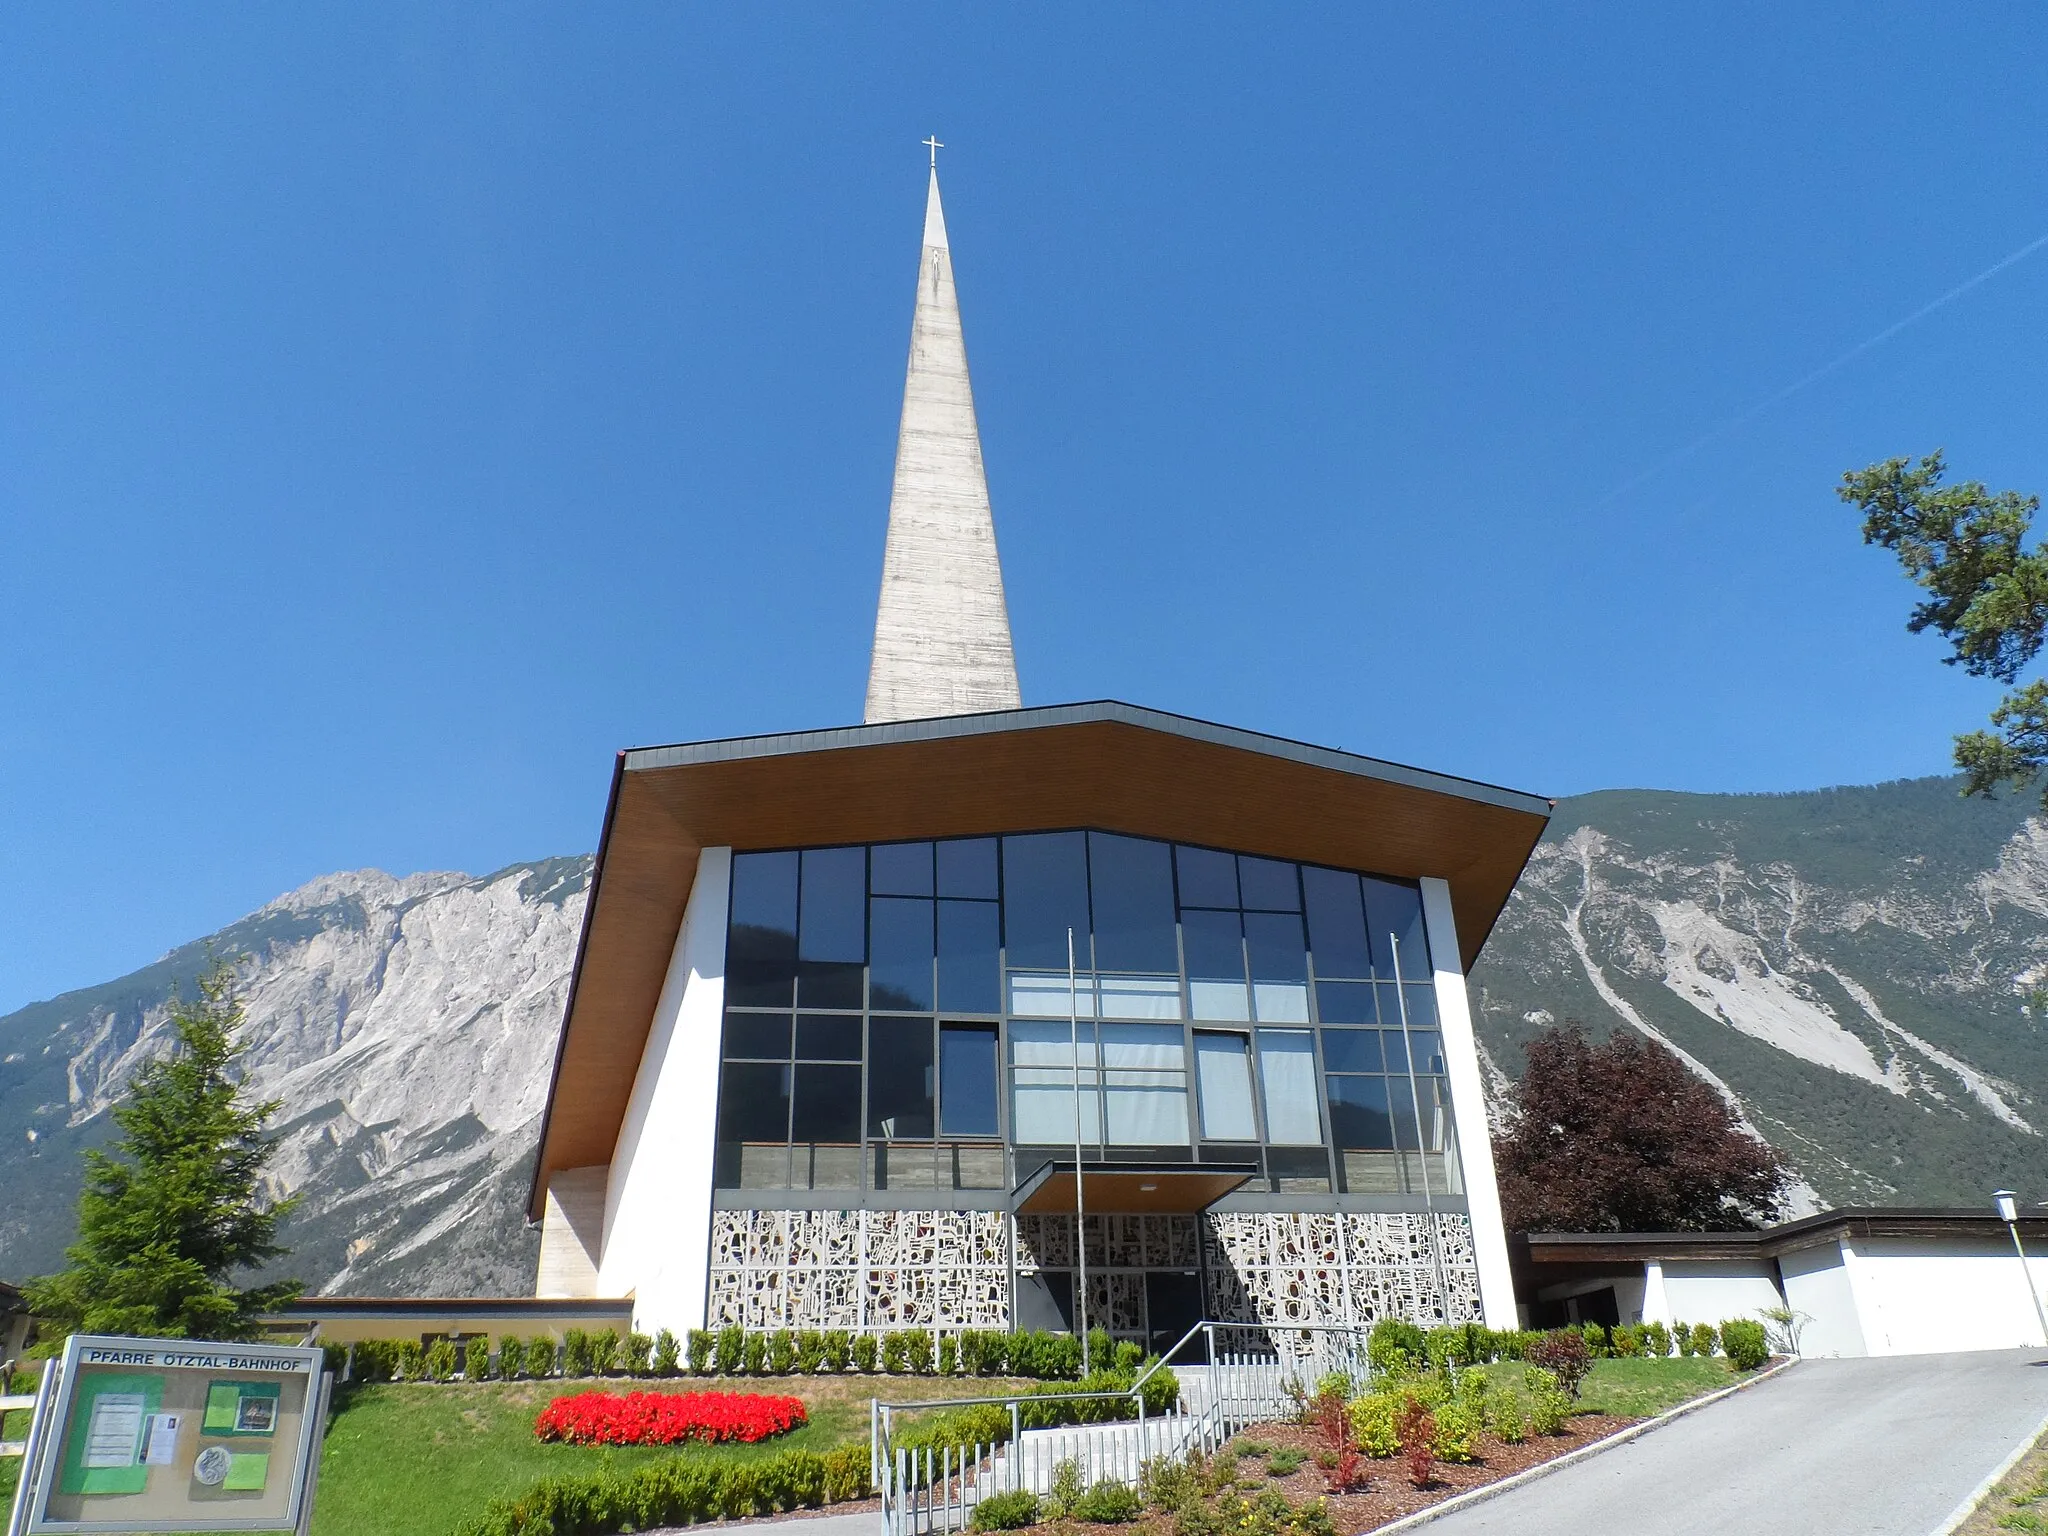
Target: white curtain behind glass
[(1042, 1074), (1287, 1064), (1145, 1070), (1224, 1074)]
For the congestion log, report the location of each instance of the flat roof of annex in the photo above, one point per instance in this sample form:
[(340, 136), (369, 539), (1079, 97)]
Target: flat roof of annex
[(1107, 765)]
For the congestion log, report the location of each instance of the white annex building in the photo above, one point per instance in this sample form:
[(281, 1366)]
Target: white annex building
[(860, 1014)]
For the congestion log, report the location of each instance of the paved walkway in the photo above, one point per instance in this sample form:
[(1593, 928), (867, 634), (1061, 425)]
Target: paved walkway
[(1883, 1447)]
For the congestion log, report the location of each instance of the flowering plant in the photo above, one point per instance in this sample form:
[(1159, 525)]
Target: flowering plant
[(664, 1418)]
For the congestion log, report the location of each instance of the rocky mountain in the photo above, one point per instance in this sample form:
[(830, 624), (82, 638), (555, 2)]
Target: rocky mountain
[(1858, 968), (408, 1026)]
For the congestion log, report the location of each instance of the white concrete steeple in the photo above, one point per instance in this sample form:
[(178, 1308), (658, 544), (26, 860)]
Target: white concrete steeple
[(942, 629)]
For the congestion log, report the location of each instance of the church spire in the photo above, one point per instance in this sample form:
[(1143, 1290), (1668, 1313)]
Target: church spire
[(942, 630)]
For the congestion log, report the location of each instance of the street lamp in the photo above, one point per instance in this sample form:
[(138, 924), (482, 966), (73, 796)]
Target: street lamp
[(2008, 1212)]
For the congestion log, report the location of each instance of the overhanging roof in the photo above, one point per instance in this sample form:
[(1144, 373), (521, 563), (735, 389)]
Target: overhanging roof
[(1181, 1189), (1105, 765), (1857, 1223)]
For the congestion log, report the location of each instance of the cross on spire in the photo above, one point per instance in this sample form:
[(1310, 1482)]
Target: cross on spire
[(935, 146)]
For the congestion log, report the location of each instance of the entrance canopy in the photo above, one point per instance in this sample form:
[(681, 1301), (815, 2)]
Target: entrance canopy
[(1130, 1188)]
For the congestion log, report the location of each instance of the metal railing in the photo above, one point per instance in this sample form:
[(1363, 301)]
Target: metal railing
[(1248, 1374)]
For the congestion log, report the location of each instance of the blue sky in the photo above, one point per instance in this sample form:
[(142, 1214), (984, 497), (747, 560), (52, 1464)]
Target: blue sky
[(403, 408)]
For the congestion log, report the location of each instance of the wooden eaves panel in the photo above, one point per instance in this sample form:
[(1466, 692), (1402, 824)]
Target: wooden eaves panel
[(1107, 766)]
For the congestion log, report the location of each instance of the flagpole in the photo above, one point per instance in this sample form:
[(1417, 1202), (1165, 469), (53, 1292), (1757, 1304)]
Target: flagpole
[(1080, 1208)]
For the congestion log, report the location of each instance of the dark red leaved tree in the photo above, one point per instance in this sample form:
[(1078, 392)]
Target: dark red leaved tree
[(1620, 1137)]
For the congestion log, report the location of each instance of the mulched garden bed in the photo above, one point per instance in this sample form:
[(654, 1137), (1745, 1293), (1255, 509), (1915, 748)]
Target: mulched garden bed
[(1387, 1494)]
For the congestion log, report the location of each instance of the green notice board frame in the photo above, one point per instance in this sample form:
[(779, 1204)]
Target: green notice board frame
[(146, 1435)]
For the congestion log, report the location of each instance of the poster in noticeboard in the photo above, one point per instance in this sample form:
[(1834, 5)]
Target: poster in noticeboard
[(175, 1435)]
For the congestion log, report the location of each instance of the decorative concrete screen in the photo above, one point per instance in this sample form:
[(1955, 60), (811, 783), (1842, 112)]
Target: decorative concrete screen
[(170, 1435)]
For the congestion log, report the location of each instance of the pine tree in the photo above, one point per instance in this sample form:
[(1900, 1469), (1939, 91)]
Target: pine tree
[(167, 1220)]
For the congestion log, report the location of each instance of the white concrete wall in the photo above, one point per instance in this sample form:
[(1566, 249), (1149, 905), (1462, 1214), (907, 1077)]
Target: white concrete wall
[(572, 1232), (1468, 1105), (1928, 1296), (657, 1230), (1712, 1291), (1817, 1283)]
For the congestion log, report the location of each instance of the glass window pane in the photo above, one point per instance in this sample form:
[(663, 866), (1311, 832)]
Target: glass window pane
[(1215, 960), (900, 869), (1207, 878), (900, 970), (828, 1037), (834, 899), (1425, 1049), (967, 867), (900, 1079), (1421, 999), (761, 948), (757, 1036), (827, 1104), (1139, 997), (1042, 1109), (1360, 1118), (753, 1102), (1287, 1069), (1047, 1046), (1395, 910), (1131, 881), (832, 928), (970, 980), (1279, 963), (1146, 1114), (1143, 1047), (1045, 995), (1336, 923), (1268, 885), (1045, 892), (1352, 1050), (967, 1080), (1346, 1002), (1223, 1072)]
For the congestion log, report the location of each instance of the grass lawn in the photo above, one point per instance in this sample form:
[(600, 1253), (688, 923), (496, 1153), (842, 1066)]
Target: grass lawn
[(404, 1460), (1631, 1389)]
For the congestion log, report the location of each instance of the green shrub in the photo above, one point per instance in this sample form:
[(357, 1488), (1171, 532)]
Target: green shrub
[(949, 1356), (375, 1360), (667, 1352), (1168, 1483), (1446, 1347), (677, 1491), (729, 1353), (917, 1352), (864, 1353), (1127, 1354), (1504, 1418), (1284, 1461), (895, 1346), (1395, 1346), (333, 1360), (1010, 1511), (1549, 1404), (1564, 1354), (1596, 1340), (1745, 1342), (1067, 1489), (781, 1352), (412, 1360), (697, 1348), (1656, 1340), (442, 1360), (476, 1357), (754, 1354), (1373, 1424), (1626, 1341), (540, 1357), (1336, 1383), (575, 1353), (1045, 1356), (988, 1353), (838, 1350), (810, 1351), (1109, 1503), (1681, 1338), (1703, 1338), (1458, 1424), (604, 1352)]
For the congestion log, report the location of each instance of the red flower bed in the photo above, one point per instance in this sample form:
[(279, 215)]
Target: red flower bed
[(664, 1418)]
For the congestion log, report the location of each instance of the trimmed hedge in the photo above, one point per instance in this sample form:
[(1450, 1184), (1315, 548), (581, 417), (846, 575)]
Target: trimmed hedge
[(679, 1491)]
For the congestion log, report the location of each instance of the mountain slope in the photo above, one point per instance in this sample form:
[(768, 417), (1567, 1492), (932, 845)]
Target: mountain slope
[(408, 1026), (1851, 965)]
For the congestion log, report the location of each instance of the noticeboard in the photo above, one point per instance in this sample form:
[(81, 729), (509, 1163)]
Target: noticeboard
[(176, 1435)]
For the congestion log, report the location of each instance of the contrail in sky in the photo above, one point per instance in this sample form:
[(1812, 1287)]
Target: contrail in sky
[(1850, 356)]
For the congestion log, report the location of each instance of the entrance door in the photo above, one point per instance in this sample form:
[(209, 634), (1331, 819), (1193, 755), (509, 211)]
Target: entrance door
[(1173, 1305)]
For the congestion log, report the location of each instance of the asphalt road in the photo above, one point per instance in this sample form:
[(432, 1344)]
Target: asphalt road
[(1844, 1447)]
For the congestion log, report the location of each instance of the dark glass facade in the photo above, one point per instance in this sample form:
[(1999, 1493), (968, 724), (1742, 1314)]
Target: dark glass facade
[(948, 1015)]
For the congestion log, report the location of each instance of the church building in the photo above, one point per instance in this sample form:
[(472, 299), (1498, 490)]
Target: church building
[(867, 1021)]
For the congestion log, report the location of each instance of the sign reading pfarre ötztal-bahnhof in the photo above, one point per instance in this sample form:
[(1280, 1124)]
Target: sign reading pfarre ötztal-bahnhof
[(174, 1435)]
